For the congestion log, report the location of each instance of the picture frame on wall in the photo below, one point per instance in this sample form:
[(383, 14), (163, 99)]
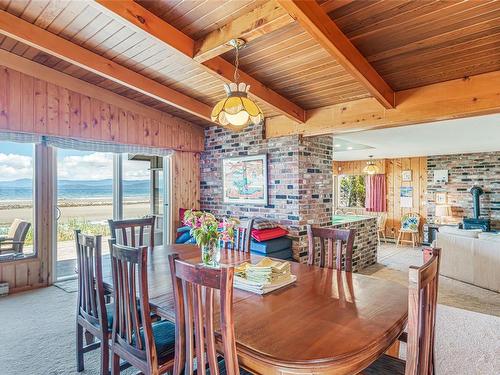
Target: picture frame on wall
[(440, 198), (244, 180), (406, 176)]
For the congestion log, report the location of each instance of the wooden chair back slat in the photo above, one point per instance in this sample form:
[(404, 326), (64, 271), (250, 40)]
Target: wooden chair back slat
[(131, 232), (90, 299), (194, 288), (339, 236), (129, 269), (242, 238), (422, 302), (330, 253)]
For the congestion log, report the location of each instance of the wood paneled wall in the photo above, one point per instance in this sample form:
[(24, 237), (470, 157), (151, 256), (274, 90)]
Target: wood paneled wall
[(67, 107), (33, 105), (185, 185), (392, 168)]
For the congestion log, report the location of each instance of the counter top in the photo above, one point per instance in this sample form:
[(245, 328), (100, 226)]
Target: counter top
[(344, 219)]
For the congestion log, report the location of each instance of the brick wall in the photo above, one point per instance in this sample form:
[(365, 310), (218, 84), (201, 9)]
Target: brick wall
[(299, 179), (465, 171)]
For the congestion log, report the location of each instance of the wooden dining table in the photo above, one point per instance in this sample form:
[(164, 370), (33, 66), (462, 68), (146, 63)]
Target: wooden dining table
[(327, 322)]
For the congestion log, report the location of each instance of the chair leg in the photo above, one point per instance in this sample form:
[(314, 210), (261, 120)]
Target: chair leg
[(104, 356), (115, 364), (413, 240), (399, 238), (79, 348)]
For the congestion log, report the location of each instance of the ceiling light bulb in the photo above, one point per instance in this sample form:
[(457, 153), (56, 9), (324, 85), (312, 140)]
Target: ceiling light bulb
[(337, 145), (238, 119), (349, 148)]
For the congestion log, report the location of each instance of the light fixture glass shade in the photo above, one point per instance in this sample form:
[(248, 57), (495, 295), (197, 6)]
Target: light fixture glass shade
[(237, 111), (370, 168)]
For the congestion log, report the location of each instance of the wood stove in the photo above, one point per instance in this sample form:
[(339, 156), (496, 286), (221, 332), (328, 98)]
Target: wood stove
[(477, 222)]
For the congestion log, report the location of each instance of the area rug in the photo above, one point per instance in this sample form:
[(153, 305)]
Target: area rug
[(37, 333)]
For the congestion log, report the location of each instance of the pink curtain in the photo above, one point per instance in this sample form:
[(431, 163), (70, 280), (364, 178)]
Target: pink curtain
[(375, 193)]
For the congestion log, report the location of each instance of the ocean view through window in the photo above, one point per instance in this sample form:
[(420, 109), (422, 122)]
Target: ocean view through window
[(16, 200)]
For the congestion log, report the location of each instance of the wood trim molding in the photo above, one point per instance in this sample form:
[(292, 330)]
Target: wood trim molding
[(262, 20), (144, 21), (43, 40), (471, 96), (321, 27)]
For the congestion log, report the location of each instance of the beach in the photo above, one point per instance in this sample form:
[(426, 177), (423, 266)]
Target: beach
[(94, 209)]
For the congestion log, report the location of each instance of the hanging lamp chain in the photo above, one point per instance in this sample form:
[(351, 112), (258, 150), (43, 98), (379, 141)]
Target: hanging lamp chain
[(236, 64)]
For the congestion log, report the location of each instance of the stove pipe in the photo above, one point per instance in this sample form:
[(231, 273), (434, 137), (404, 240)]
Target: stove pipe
[(476, 192)]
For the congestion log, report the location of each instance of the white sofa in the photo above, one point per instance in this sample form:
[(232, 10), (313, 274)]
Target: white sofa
[(470, 256)]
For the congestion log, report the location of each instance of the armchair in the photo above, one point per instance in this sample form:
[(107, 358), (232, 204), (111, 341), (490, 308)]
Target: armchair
[(13, 242)]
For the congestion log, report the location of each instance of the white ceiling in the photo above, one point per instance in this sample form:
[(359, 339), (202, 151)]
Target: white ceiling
[(475, 134)]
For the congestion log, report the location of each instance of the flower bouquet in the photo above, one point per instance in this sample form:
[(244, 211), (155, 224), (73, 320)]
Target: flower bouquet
[(209, 233)]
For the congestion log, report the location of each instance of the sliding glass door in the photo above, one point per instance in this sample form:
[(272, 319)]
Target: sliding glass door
[(93, 187), (84, 202)]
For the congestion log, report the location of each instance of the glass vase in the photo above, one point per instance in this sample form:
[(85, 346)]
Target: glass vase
[(210, 254)]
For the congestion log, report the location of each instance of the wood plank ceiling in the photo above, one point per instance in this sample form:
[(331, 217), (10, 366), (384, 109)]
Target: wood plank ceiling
[(409, 43)]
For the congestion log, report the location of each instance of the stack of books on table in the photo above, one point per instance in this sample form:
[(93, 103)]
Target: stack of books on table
[(264, 277)]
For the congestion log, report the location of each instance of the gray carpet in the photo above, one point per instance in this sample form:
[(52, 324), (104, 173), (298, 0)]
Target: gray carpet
[(393, 264), (37, 336)]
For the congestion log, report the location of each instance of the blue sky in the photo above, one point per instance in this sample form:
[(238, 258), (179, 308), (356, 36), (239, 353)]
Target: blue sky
[(16, 162)]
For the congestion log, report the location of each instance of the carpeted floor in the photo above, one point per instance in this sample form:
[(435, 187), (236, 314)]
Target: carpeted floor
[(393, 263), (467, 342)]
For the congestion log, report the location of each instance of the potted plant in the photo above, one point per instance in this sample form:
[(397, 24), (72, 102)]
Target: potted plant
[(209, 233)]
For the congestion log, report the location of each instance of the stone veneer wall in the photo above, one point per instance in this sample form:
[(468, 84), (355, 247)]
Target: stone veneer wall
[(465, 171), (299, 179)]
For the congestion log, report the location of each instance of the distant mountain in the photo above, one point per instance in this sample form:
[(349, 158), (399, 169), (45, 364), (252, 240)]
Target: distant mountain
[(21, 183)]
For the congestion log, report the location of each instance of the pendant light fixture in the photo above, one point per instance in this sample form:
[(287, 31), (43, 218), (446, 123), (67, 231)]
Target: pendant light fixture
[(236, 111), (370, 168)]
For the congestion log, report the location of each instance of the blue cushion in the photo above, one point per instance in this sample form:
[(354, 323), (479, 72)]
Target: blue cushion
[(271, 246), (183, 238), (164, 337), (183, 229), (281, 254), (110, 312)]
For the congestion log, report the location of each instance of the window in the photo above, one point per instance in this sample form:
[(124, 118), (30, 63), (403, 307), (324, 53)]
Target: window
[(16, 199), (351, 191), (136, 186)]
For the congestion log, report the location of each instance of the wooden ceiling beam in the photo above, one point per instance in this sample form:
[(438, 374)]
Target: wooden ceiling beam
[(319, 25), (52, 44), (260, 21), (145, 21), (471, 96)]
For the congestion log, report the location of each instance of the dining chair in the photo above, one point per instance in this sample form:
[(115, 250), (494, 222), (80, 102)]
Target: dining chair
[(92, 314), (381, 221), (342, 237), (422, 302), (145, 345), (242, 238), (133, 232), (410, 224), (194, 295)]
